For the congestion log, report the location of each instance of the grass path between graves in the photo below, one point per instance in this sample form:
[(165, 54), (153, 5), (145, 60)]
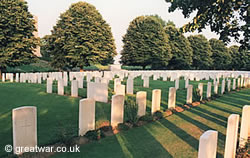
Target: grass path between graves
[(176, 136)]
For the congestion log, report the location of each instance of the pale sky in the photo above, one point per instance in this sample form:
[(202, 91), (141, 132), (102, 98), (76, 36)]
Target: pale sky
[(117, 13)]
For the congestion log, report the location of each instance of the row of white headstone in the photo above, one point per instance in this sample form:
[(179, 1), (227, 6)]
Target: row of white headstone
[(173, 75), (208, 140), (24, 121), (98, 90)]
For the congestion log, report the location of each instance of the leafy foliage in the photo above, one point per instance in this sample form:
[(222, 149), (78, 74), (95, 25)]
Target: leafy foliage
[(94, 134), (180, 48), (201, 52), (45, 52), (196, 94), (131, 110), (145, 43), (228, 18), (240, 58), (81, 38), (221, 56), (17, 41)]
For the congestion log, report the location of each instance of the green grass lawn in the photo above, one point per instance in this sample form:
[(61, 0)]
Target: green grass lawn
[(176, 136)]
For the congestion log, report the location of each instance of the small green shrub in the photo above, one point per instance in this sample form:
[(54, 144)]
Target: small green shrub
[(94, 134), (106, 128), (158, 115), (147, 118), (122, 127), (196, 94), (131, 110)]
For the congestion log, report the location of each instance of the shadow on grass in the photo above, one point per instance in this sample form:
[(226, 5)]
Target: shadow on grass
[(148, 144), (194, 111), (201, 126), (193, 142), (212, 114)]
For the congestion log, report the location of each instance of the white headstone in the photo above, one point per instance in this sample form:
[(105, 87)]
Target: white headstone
[(3, 77), (117, 81), (189, 94), (74, 88), (24, 122), (231, 136), (17, 77), (80, 82), (97, 91), (223, 86), (171, 97), (200, 87), (146, 82), (86, 115), (49, 85), (156, 100), (60, 87), (234, 84), (141, 100), (208, 144), (209, 87), (120, 89), (245, 126), (117, 110), (186, 83), (177, 84), (130, 86), (216, 87)]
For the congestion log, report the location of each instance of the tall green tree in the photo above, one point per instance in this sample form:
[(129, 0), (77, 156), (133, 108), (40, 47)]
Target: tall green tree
[(228, 18), (145, 43), (17, 40), (201, 52), (240, 58), (80, 38), (220, 55), (180, 48), (45, 52)]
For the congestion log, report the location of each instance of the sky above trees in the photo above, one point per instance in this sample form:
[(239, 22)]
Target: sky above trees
[(118, 13)]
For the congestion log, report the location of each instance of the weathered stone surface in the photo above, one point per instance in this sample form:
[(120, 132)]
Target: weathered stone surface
[(231, 136), (86, 115), (141, 100), (117, 110), (120, 89), (171, 97), (60, 87), (74, 88), (245, 126), (209, 87), (208, 144), (130, 86), (97, 91), (24, 123), (49, 85), (177, 84), (156, 100), (189, 99)]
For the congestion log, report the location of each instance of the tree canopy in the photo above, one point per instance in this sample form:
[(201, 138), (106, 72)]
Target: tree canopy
[(180, 48), (145, 43), (228, 18), (240, 58), (201, 52), (220, 55), (80, 38), (17, 40)]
